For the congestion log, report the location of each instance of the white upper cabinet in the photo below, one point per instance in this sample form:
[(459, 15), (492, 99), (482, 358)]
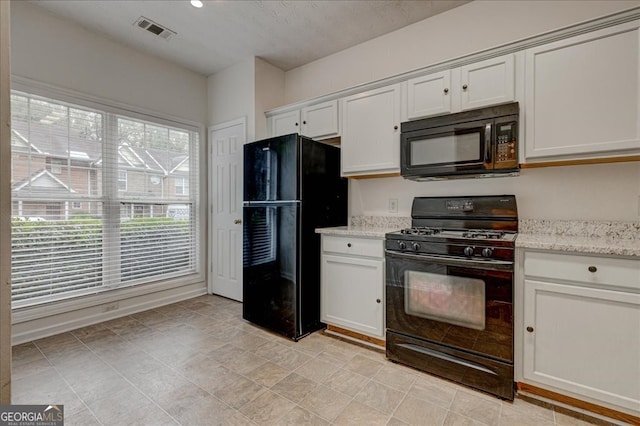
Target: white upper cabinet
[(429, 95), (284, 123), (483, 83), (321, 120), (371, 132), (489, 82), (316, 121), (583, 96)]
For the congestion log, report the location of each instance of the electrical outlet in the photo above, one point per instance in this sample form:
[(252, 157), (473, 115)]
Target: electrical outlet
[(111, 306), (393, 205)]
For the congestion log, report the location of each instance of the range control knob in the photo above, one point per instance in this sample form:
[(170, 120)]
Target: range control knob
[(402, 245), (487, 252), (468, 251), (416, 246)]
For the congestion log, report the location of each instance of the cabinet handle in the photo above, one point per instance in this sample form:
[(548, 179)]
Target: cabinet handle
[(296, 124), (592, 269), (348, 244), (395, 127), (464, 87), (378, 300), (530, 329), (237, 221), (446, 91)]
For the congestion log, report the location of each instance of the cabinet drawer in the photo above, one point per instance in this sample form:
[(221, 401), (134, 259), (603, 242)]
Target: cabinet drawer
[(586, 269), (371, 247)]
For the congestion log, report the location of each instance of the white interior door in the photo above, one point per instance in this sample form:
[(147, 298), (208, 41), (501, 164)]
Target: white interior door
[(226, 142)]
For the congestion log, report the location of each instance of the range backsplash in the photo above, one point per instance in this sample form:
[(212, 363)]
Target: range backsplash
[(396, 222)]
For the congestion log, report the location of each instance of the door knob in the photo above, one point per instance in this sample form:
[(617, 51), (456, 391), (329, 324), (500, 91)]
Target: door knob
[(237, 221)]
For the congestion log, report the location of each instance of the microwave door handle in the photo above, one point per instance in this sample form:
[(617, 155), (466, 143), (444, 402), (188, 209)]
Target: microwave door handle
[(487, 143)]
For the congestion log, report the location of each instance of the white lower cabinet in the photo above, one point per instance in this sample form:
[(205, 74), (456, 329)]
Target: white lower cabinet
[(352, 284), (581, 323)]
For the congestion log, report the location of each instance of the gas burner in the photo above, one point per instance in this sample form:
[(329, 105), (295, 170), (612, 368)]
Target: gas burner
[(422, 230), (483, 235)]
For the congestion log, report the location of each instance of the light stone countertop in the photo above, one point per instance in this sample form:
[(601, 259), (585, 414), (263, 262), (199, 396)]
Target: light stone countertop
[(368, 226), (356, 231), (589, 237)]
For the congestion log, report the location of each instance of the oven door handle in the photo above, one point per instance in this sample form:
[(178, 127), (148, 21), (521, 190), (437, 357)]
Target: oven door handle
[(496, 265)]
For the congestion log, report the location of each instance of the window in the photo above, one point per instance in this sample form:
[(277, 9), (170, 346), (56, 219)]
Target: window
[(182, 186), (122, 180), (89, 200)]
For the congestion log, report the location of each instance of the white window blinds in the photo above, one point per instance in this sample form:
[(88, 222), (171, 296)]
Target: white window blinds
[(94, 200)]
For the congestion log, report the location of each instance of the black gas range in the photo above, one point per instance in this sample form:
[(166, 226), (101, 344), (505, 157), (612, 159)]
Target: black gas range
[(449, 290)]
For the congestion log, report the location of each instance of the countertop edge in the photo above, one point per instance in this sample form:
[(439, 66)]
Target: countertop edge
[(355, 231), (577, 244)]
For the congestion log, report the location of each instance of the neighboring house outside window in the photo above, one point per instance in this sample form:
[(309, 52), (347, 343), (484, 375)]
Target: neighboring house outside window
[(76, 205)]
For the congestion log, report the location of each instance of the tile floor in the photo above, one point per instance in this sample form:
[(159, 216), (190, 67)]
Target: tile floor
[(198, 363)]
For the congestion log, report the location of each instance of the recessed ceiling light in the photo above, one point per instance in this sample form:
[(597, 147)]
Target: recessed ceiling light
[(197, 3)]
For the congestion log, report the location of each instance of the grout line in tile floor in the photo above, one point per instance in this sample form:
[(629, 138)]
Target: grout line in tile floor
[(227, 371)]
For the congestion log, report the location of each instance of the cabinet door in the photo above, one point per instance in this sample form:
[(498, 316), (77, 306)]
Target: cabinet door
[(583, 95), (320, 121), (284, 124), (583, 340), (429, 95), (487, 82), (371, 132), (352, 294)]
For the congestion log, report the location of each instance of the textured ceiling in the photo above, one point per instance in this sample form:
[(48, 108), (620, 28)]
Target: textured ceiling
[(284, 33)]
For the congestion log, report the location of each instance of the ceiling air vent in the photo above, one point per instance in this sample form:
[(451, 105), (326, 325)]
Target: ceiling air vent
[(155, 28)]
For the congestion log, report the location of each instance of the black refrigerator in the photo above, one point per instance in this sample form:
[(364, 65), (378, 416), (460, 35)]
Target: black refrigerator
[(292, 186)]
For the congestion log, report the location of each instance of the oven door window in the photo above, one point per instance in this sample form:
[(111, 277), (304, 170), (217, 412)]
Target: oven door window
[(446, 298)]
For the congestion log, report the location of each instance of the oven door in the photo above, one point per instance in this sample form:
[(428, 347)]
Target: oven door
[(454, 149), (463, 304)]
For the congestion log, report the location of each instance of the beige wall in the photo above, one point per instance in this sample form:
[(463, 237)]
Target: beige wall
[(246, 89), (230, 95), (469, 28), (269, 93), (52, 50), (596, 192)]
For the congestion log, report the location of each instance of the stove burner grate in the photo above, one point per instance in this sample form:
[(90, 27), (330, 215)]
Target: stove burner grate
[(483, 235), (420, 230)]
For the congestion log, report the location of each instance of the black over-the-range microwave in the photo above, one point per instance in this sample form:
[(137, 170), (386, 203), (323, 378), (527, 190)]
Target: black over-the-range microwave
[(476, 143)]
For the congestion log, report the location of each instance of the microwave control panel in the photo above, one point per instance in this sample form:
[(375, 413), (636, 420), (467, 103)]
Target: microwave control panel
[(506, 145)]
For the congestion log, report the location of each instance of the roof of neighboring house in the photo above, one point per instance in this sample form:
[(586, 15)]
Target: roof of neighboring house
[(42, 180), (41, 140)]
